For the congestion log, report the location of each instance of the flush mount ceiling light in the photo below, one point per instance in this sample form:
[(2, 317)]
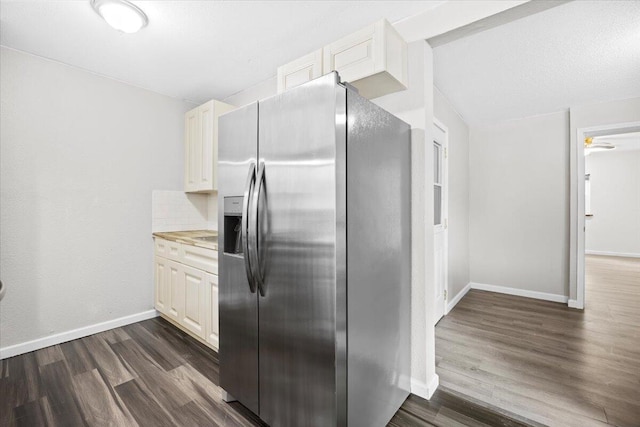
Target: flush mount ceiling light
[(120, 14), (593, 147)]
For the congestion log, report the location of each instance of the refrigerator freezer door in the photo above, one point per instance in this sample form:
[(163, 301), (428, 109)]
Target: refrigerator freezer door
[(238, 142), (301, 234)]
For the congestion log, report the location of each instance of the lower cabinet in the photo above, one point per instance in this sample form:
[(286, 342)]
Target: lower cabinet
[(188, 296)]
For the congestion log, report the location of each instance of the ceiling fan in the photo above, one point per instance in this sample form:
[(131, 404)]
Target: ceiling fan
[(591, 146)]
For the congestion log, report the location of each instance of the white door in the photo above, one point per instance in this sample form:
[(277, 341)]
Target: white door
[(440, 219)]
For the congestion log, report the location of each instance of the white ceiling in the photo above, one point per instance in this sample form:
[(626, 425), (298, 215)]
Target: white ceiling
[(572, 54), (194, 50)]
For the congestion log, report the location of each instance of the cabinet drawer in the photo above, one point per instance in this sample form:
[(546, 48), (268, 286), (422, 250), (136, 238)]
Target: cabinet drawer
[(167, 249), (173, 250), (204, 259), (160, 247)]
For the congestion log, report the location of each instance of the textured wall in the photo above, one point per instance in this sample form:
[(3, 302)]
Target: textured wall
[(80, 155)]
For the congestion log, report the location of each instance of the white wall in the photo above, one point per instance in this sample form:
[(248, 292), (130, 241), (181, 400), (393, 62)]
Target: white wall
[(615, 203), (458, 180), (519, 201), (80, 156), (522, 199)]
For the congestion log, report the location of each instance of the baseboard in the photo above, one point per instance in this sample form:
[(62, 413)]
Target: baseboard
[(452, 303), (520, 292), (433, 385), (202, 341), (607, 253), (574, 303), (74, 334), (425, 390)]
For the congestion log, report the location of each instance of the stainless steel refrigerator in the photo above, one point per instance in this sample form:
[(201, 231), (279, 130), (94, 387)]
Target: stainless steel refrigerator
[(314, 230)]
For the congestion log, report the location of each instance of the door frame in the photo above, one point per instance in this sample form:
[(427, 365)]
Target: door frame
[(577, 226), (445, 208)]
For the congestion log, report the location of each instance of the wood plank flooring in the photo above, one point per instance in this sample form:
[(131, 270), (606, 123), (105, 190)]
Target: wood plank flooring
[(152, 374), (145, 374), (546, 362)]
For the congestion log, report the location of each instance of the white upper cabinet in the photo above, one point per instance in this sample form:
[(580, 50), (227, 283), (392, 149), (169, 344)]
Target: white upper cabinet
[(374, 60), (300, 71), (201, 146)]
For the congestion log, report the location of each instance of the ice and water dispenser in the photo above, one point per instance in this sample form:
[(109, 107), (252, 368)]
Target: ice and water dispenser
[(233, 225)]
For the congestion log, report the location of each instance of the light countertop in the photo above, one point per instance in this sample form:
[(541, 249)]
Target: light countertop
[(193, 238)]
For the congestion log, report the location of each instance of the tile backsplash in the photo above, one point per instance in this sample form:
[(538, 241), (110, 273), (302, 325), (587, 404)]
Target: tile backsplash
[(179, 211)]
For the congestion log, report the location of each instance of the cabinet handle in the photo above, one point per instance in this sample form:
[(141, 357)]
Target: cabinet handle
[(246, 247)]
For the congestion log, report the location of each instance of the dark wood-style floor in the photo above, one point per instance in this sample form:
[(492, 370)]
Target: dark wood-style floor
[(497, 356), (152, 374), (545, 361)]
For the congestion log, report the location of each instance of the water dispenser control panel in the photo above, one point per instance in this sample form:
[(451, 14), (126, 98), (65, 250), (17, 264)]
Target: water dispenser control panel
[(233, 205)]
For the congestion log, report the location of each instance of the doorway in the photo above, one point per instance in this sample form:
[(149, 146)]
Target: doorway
[(590, 137), (440, 214), (612, 220)]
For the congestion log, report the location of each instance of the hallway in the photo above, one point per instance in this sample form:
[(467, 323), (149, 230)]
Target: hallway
[(547, 362)]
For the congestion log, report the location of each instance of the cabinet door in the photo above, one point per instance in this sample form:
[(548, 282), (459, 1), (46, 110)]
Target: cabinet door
[(300, 71), (373, 59), (192, 150), (195, 302), (356, 55), (201, 146), (213, 332), (161, 288), (207, 119), (174, 289)]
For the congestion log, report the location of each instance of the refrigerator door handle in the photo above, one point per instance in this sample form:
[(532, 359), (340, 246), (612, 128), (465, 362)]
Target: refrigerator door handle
[(253, 235), (246, 246)]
